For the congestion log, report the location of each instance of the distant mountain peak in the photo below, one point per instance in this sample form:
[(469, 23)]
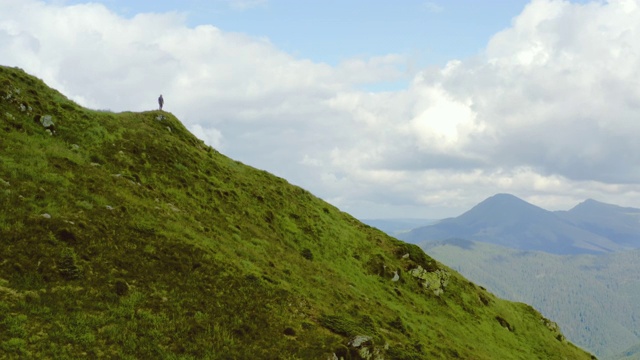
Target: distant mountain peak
[(501, 206), (591, 205), (591, 202), (502, 199), (507, 220)]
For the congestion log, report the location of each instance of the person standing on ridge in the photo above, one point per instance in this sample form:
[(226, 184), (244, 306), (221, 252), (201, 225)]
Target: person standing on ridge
[(160, 101)]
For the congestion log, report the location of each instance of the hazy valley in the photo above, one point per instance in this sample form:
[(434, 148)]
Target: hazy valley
[(579, 266)]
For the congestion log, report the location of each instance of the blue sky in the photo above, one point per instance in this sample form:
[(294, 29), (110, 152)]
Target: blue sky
[(431, 32), (385, 109)]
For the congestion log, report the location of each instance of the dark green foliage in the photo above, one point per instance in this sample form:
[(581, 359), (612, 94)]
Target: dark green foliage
[(121, 287), (343, 326), (289, 332), (505, 324), (307, 254), (376, 265), (129, 238), (68, 265), (416, 255), (484, 298), (398, 325), (342, 352)]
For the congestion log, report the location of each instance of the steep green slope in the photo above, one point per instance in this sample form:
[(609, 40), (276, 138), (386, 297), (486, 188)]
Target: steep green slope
[(593, 298), (124, 236)]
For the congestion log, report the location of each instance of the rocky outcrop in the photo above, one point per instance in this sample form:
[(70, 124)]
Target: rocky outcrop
[(47, 123), (360, 347), (435, 281)]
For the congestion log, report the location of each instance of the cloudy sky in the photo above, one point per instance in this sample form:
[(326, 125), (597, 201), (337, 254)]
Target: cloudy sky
[(386, 109)]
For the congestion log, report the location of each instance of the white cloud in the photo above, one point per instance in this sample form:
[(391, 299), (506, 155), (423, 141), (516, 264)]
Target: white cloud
[(210, 136), (548, 111)]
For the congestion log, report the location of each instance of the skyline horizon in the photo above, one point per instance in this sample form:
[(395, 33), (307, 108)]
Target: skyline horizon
[(382, 110)]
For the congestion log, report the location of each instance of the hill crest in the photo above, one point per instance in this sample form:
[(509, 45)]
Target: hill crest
[(130, 238)]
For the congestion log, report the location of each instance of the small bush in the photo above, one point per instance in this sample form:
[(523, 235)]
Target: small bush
[(121, 287), (398, 325), (343, 326), (307, 254), (504, 323), (376, 265), (68, 265), (339, 325)]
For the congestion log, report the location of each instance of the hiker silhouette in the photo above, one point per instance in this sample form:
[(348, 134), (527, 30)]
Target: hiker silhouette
[(160, 101)]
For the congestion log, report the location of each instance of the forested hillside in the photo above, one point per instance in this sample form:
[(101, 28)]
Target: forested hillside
[(593, 298)]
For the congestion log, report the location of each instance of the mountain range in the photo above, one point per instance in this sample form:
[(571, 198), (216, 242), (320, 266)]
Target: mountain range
[(591, 227), (124, 236), (578, 266)]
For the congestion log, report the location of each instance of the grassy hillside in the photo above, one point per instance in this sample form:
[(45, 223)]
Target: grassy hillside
[(124, 236), (593, 298)]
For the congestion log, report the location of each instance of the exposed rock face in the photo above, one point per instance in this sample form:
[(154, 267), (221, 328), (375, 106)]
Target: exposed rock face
[(364, 348), (359, 341), (47, 123), (436, 281)]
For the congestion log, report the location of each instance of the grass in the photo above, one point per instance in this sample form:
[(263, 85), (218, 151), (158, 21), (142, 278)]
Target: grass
[(124, 236)]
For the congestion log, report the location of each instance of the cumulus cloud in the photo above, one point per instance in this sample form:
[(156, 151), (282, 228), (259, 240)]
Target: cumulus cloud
[(550, 107), (548, 111), (564, 91)]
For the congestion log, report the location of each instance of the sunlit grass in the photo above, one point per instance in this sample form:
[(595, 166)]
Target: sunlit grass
[(156, 246)]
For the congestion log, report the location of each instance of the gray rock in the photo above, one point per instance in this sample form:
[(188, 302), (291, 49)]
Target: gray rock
[(46, 216), (359, 340), (47, 123), (366, 349), (436, 281)]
